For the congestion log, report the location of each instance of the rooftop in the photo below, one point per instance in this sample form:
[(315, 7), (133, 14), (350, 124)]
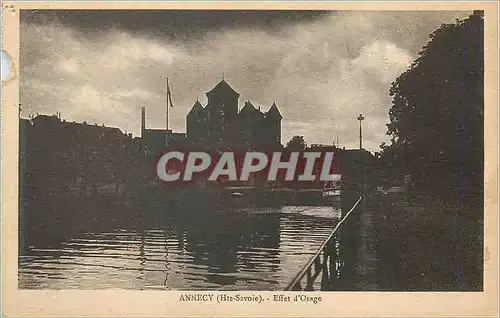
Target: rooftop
[(224, 87)]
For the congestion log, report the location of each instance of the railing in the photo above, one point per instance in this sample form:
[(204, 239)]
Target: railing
[(324, 261)]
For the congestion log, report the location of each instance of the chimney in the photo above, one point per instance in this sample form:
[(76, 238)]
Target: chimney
[(143, 121)]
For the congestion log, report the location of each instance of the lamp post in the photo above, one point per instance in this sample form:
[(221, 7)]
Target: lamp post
[(361, 164), (360, 118)]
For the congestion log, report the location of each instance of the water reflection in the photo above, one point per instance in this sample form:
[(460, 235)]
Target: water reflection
[(100, 246)]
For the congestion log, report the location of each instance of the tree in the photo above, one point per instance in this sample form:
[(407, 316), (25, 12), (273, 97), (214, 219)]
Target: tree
[(297, 143), (436, 118)]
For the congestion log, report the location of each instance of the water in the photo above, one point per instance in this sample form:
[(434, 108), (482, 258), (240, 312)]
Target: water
[(237, 249)]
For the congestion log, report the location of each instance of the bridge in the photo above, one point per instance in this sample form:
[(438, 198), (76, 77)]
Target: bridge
[(324, 267)]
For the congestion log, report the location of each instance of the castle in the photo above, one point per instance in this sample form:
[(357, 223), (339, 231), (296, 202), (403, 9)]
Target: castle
[(220, 125), (221, 122)]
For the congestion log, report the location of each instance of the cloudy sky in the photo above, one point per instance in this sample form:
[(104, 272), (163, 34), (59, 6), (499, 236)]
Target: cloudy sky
[(322, 68)]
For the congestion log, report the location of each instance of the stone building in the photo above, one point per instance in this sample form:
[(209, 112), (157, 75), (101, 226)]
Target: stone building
[(60, 157), (220, 121)]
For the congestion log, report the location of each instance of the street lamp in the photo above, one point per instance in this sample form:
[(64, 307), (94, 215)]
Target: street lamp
[(360, 118)]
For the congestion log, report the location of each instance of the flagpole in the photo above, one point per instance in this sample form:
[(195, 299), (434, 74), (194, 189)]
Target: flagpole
[(166, 119)]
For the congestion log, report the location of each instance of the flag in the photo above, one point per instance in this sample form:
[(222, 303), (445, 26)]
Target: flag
[(169, 95)]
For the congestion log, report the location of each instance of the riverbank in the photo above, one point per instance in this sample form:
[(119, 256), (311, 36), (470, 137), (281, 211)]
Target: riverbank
[(429, 245)]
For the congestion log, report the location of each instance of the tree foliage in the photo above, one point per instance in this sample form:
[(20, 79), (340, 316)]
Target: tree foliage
[(436, 117), (297, 143)]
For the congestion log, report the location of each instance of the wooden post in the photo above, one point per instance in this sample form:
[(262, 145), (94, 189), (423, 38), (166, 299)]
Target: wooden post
[(317, 264), (309, 282), (297, 286)]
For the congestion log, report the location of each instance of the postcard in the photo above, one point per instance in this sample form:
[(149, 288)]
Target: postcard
[(249, 159)]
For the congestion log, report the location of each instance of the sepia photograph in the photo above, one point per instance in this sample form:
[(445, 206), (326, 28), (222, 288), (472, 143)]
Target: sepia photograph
[(280, 152)]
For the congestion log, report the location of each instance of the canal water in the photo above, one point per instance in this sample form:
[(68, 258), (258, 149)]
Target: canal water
[(235, 249)]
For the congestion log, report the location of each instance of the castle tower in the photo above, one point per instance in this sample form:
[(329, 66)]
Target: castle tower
[(197, 123), (222, 112), (273, 118), (249, 123)]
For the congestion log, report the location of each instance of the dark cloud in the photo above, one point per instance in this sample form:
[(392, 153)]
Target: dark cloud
[(322, 70), (177, 25)]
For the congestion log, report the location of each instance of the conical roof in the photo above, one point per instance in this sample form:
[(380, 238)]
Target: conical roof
[(274, 112), (248, 108), (223, 87), (196, 109)]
